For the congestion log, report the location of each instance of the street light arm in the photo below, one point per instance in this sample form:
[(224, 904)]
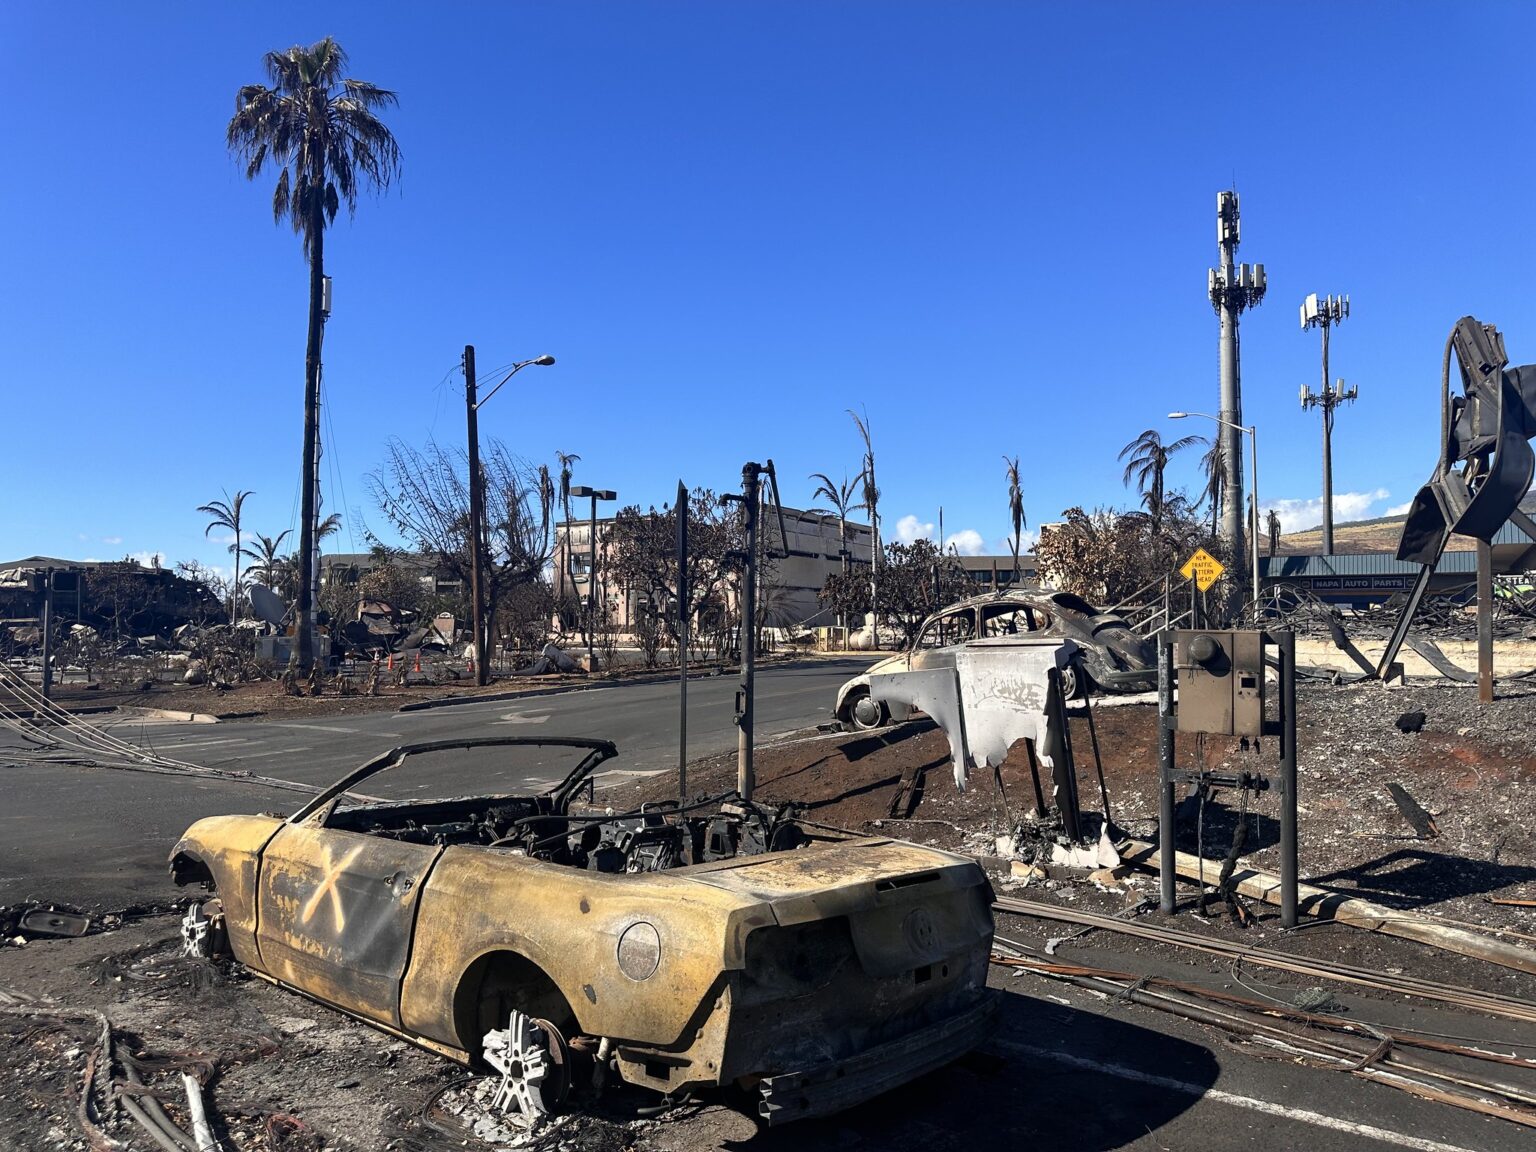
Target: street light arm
[(516, 368), (1217, 419)]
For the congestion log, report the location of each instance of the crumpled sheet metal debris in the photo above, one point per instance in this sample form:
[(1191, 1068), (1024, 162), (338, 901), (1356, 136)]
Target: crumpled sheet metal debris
[(996, 694)]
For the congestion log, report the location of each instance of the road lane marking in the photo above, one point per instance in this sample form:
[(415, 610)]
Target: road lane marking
[(327, 728), (1252, 1104), (202, 743), (275, 752)]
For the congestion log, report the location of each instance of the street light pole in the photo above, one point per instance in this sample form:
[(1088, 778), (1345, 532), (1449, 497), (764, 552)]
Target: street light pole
[(1253, 470), (472, 402), (596, 494)]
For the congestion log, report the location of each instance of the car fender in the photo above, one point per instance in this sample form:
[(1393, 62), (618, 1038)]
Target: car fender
[(570, 923), (229, 849)]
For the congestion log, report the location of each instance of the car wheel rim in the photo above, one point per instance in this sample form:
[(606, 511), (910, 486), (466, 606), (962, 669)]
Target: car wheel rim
[(531, 1056), (866, 713)]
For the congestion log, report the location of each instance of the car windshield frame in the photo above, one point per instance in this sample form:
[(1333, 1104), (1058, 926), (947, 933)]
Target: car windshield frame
[(598, 751)]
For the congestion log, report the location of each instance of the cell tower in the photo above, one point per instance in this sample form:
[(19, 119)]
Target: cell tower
[(1234, 288), (1324, 314)]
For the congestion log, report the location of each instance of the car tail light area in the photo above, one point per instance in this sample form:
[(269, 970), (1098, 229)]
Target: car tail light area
[(825, 991)]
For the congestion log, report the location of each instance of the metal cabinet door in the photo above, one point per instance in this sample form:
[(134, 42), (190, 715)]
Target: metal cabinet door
[(336, 912)]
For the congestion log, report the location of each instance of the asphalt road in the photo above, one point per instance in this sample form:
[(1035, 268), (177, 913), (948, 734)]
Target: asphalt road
[(98, 838), (1067, 1070)]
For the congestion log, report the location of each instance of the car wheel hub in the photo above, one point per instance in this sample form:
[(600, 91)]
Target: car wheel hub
[(530, 1055), (866, 713)]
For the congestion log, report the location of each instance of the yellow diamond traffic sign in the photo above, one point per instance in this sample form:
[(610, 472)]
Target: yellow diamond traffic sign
[(1203, 568)]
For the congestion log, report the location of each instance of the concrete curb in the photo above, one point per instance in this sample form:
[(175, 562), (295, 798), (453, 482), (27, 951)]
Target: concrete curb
[(170, 714)]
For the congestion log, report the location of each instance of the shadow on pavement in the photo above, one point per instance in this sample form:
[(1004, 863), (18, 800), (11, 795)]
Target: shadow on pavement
[(996, 1098)]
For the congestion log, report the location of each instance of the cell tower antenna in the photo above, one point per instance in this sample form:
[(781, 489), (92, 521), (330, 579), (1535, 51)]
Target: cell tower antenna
[(1324, 313)]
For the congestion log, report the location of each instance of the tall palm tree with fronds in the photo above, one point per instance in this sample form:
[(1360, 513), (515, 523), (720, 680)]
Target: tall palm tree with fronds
[(1015, 509), (1215, 479), (840, 498), (322, 131), (871, 493), (265, 556), (226, 514), (1148, 461)]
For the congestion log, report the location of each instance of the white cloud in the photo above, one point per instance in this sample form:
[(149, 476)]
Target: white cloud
[(1300, 515), (1399, 509), (967, 542), (1027, 541), (910, 528), (109, 539)]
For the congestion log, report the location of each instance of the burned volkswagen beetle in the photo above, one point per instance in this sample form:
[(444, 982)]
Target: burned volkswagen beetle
[(679, 946), (1111, 657)]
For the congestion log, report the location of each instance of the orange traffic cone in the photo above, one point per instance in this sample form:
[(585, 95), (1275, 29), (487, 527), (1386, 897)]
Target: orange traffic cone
[(391, 661)]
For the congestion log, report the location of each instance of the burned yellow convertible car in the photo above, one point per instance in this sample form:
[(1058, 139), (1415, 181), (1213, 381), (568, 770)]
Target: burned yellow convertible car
[(715, 943)]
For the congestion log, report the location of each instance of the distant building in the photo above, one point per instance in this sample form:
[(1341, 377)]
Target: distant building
[(814, 544), (347, 568), (995, 573), (1365, 578)]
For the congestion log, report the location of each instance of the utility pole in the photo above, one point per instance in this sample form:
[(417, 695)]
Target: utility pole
[(48, 634), (472, 402), (682, 642), (1233, 288), (750, 498), (751, 479), (476, 515), (596, 494), (1324, 314)]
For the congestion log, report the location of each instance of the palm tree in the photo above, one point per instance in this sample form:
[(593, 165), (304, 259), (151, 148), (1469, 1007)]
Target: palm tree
[(841, 498), (226, 514), (264, 557), (329, 526), (1215, 479), (1148, 461), (1274, 532), (1015, 509), (871, 502), (321, 130)]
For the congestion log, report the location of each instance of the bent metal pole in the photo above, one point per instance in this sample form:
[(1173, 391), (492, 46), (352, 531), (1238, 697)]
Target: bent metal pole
[(751, 484)]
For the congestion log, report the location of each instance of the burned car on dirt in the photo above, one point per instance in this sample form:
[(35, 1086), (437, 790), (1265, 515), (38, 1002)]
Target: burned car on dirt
[(680, 946), (1111, 657)]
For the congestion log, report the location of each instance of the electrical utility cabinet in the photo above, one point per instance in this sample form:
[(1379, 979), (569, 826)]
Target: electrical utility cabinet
[(1221, 681), (1211, 682)]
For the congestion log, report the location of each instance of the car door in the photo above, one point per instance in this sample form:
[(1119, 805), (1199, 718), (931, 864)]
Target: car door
[(938, 637), (336, 910)]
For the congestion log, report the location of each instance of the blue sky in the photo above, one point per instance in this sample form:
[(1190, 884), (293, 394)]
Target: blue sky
[(989, 224)]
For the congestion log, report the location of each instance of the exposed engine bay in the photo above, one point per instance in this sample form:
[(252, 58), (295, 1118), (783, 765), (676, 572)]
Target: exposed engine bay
[(650, 839)]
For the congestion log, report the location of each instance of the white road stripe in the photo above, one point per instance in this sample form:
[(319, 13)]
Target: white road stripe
[(1266, 1107), (326, 728), (168, 745), (277, 752)]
